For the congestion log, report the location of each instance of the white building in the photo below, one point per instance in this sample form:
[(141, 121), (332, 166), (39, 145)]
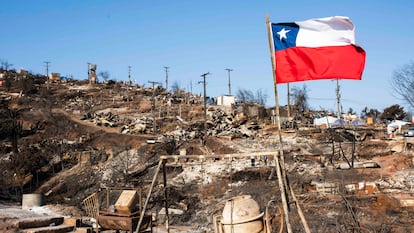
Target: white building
[(226, 100)]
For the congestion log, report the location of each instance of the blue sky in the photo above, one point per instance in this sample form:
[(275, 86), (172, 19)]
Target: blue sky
[(195, 37)]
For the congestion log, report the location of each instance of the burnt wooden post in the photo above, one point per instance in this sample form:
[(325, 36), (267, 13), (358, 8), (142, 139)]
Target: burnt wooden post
[(164, 173)]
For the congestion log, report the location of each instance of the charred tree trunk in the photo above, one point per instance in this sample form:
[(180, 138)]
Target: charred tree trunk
[(16, 129)]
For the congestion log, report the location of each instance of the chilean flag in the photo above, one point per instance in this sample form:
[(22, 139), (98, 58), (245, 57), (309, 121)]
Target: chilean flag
[(316, 49)]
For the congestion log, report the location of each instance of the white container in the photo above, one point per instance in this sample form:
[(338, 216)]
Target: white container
[(241, 214), (31, 200)]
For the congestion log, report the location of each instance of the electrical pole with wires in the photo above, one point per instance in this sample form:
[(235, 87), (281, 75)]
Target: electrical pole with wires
[(47, 73), (229, 70), (153, 105), (166, 77), (338, 99), (205, 104), (129, 75)]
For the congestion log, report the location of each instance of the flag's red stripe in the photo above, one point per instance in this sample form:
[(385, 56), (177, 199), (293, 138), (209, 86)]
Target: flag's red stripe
[(335, 62)]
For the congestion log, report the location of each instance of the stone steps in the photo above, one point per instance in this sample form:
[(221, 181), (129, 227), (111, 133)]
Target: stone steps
[(82, 230), (50, 224), (38, 222), (50, 229)]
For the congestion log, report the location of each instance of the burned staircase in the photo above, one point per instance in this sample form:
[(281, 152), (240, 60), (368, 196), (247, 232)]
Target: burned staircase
[(337, 138)]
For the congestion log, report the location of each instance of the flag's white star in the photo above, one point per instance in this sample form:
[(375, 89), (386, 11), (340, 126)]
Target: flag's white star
[(282, 34)]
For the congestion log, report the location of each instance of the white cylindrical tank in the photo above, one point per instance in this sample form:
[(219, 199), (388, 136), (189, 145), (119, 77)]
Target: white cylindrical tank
[(31, 200), (241, 214), (92, 67)]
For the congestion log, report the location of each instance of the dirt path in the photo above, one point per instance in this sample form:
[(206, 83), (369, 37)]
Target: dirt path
[(90, 125)]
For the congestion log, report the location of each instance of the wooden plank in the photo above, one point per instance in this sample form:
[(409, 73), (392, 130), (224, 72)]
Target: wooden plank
[(223, 156)]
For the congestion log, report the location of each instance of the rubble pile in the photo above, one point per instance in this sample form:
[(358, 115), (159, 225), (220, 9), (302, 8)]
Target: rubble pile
[(402, 181), (218, 123), (179, 97), (143, 125), (76, 101), (107, 119), (234, 125)]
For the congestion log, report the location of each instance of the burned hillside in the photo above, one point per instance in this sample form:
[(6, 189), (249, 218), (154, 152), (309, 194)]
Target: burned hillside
[(69, 140)]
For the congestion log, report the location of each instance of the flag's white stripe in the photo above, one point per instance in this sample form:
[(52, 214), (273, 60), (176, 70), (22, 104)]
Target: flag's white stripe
[(330, 31)]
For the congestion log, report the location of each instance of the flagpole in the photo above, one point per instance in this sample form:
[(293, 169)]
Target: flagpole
[(281, 178)]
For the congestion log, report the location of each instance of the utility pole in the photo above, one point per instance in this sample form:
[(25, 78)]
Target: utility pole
[(129, 75), (166, 77), (153, 105), (229, 70), (338, 99), (288, 100), (47, 72), (89, 77), (205, 100)]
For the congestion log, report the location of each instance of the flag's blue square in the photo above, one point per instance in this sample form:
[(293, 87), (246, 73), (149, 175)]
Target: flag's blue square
[(284, 35)]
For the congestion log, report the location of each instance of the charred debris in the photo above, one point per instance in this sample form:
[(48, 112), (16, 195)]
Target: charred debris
[(71, 139)]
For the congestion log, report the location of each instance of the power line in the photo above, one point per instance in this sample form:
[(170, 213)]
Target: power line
[(317, 98)]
